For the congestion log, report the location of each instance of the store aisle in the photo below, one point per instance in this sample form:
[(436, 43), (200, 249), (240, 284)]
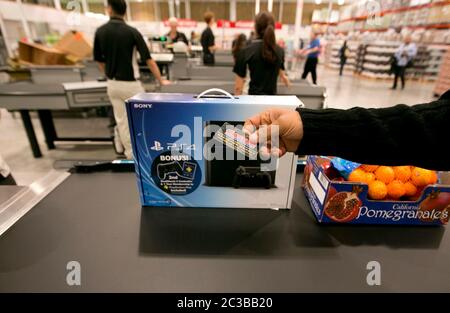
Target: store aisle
[(343, 92), (347, 91)]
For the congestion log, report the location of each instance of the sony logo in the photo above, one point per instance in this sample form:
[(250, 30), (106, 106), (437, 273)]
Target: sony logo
[(142, 105)]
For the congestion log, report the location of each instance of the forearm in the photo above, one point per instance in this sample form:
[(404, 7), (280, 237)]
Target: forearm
[(212, 48), (154, 69), (312, 50), (284, 77), (101, 66), (238, 86), (400, 135)]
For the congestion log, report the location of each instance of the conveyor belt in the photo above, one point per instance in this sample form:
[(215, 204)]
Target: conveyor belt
[(28, 96), (96, 219)]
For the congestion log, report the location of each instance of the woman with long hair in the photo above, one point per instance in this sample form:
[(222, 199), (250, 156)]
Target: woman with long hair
[(238, 44), (263, 57)]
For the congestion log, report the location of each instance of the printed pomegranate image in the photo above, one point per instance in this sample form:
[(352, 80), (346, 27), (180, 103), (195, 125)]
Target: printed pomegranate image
[(331, 193), (438, 201), (344, 206)]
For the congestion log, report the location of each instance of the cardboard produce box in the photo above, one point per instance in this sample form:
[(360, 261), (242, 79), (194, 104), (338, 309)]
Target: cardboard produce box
[(335, 200), (40, 55), (75, 46)]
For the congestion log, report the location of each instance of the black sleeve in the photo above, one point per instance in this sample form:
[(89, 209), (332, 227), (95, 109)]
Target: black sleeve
[(184, 39), (203, 40), (399, 135), (142, 47), (240, 65), (210, 39), (98, 52), (282, 60)]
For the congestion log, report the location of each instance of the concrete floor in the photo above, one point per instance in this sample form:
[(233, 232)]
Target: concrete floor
[(343, 92)]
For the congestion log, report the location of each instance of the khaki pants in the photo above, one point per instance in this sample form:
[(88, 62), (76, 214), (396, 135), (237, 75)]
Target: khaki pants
[(118, 92)]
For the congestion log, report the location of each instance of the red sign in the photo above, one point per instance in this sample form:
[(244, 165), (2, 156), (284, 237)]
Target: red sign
[(245, 24), (183, 22), (225, 23)]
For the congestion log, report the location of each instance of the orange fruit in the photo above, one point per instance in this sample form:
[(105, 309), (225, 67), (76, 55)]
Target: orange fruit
[(410, 189), (421, 177), (385, 174), (433, 178), (369, 168), (396, 189), (402, 173), (377, 190), (370, 177), (358, 175)]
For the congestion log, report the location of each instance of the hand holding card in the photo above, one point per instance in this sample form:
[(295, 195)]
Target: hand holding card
[(285, 124)]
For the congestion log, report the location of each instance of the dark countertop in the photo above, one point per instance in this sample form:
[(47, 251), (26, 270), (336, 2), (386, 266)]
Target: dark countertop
[(96, 219)]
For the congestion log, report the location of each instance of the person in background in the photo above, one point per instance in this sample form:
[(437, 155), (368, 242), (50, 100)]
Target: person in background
[(403, 57), (251, 38), (312, 54), (263, 57), (194, 38), (238, 44), (343, 55), (207, 40), (399, 135), (174, 35), (115, 44), (301, 43), (5, 174)]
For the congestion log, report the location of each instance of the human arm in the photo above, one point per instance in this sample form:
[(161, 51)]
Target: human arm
[(238, 85), (240, 69), (284, 78), (282, 72), (101, 66), (145, 55), (184, 39), (313, 47), (399, 135), (155, 70), (211, 42), (98, 53)]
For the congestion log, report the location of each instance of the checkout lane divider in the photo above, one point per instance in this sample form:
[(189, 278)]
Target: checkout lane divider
[(15, 208)]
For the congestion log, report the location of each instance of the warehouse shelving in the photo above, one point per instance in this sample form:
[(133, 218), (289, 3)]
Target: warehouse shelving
[(443, 80)]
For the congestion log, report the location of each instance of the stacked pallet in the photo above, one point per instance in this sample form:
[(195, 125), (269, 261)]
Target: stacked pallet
[(436, 54), (443, 81)]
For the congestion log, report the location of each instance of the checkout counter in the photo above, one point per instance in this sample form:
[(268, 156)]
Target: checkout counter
[(46, 92), (45, 98), (96, 219), (54, 88)]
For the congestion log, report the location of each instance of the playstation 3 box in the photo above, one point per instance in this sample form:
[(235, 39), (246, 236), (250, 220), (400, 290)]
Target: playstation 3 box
[(191, 151)]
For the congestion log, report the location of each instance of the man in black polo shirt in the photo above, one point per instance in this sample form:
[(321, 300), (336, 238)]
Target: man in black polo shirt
[(115, 47), (208, 41)]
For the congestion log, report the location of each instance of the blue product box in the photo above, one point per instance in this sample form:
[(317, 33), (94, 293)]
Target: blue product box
[(431, 208), (178, 141)]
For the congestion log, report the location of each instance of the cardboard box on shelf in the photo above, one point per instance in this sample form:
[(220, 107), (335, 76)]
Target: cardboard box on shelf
[(40, 55), (75, 45)]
